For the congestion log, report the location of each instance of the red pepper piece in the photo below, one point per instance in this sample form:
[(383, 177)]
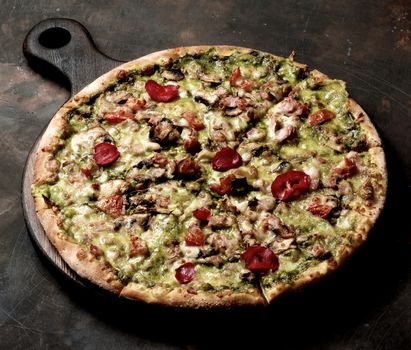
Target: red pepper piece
[(260, 259), (161, 93), (185, 273), (105, 153), (226, 159), (290, 185)]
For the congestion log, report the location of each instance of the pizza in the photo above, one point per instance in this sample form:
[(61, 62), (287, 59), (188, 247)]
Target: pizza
[(209, 177)]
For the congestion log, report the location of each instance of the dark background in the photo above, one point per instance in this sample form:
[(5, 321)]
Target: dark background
[(366, 305)]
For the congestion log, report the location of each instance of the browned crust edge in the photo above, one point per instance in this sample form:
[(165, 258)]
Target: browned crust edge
[(181, 297), (87, 266)]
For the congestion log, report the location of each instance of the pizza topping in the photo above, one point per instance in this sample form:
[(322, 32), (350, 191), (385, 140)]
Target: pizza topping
[(290, 107), (274, 90), (192, 145), (112, 205), (237, 80), (324, 206), (194, 236), (117, 117), (235, 76), (185, 273), (137, 247), (206, 98), (164, 133), (290, 185), (193, 121), (174, 74), (321, 210), (314, 174), (96, 251), (345, 169), (105, 153), (202, 214), (366, 190), (274, 224), (188, 168), (226, 159), (221, 221), (240, 186), (256, 134), (260, 259), (225, 185), (320, 116), (161, 93), (160, 159)]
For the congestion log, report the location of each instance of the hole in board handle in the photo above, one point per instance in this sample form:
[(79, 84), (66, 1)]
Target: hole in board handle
[(54, 38)]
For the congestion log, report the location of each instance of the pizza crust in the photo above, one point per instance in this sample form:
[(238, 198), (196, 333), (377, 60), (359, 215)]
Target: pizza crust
[(181, 297), (87, 266)]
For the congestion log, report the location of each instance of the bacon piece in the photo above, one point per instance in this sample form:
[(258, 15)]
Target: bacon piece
[(247, 85), (229, 102), (194, 236), (322, 206), (345, 169), (321, 210), (188, 168), (86, 172), (193, 121), (224, 245), (225, 185), (320, 116), (237, 80), (235, 75), (137, 247), (117, 117), (202, 214), (112, 205), (234, 102)]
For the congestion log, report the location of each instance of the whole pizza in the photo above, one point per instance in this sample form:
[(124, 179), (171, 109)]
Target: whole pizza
[(209, 176)]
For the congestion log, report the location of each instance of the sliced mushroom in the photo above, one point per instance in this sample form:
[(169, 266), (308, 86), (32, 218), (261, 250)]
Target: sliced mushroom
[(173, 74)]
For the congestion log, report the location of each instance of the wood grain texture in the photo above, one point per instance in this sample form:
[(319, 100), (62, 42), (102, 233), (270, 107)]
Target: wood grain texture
[(76, 57)]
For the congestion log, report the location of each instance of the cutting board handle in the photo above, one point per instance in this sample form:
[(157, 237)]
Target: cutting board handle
[(62, 49)]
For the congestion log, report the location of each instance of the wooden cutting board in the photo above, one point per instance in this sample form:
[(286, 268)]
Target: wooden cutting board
[(60, 48)]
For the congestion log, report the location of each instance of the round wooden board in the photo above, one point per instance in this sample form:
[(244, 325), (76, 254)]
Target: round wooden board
[(65, 47)]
